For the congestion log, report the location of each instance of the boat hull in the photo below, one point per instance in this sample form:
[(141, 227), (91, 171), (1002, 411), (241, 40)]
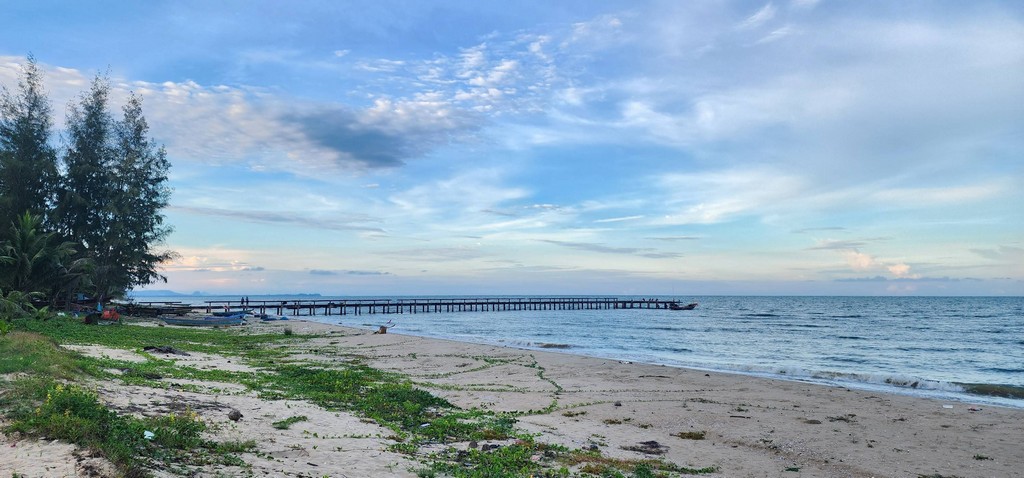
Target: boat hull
[(690, 306), (209, 321), (231, 313)]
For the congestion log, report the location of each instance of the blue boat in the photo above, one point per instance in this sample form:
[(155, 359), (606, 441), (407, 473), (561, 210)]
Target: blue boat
[(230, 313), (207, 321)]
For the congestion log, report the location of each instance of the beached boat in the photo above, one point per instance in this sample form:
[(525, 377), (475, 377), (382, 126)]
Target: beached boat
[(678, 306), (155, 310), (230, 313), (207, 321), (269, 317)]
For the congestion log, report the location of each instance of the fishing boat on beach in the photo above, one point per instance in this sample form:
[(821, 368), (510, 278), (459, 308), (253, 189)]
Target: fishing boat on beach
[(205, 321), (229, 313), (678, 306)]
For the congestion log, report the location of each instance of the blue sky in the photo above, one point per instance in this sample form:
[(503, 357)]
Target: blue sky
[(571, 147)]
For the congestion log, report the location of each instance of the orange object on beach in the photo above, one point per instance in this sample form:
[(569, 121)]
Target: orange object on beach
[(111, 314)]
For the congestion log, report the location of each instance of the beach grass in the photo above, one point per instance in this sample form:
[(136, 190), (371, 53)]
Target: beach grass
[(35, 354), (44, 401)]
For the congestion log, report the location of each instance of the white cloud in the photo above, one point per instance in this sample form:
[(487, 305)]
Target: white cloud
[(472, 61), (937, 196), (765, 14), (619, 219), (537, 45), (902, 271), (712, 197), (859, 261), (468, 193), (212, 259), (381, 65), (497, 76), (595, 33), (777, 34)]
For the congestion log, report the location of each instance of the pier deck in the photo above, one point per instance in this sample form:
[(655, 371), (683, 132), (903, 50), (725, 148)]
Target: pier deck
[(426, 305)]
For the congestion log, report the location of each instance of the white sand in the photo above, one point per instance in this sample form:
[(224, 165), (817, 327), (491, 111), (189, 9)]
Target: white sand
[(753, 427)]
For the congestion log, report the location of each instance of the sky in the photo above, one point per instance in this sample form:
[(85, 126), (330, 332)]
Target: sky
[(572, 147)]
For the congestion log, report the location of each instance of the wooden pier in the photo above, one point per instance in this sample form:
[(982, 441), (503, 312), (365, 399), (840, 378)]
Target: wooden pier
[(426, 305)]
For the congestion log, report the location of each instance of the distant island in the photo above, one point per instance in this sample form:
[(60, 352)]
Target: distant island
[(171, 293), (160, 293)]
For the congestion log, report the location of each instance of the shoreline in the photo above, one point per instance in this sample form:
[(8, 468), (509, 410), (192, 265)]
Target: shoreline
[(743, 426)]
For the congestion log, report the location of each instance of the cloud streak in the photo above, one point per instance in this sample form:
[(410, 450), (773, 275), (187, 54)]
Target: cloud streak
[(284, 218), (603, 249)]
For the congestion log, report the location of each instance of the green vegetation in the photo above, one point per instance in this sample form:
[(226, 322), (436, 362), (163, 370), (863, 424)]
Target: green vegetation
[(690, 435), (387, 399), (75, 415), (36, 355), (288, 422), (40, 402), (593, 463), (512, 460)]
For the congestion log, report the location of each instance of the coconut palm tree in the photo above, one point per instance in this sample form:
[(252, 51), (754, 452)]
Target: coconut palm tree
[(37, 262)]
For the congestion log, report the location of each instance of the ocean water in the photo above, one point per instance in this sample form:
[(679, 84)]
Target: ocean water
[(954, 348)]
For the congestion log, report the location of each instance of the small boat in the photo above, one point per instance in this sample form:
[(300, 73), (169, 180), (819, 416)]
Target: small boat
[(269, 317), (677, 306), (207, 321), (230, 313)]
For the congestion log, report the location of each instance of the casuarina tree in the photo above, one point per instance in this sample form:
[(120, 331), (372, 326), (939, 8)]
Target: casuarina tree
[(139, 193), (113, 193), (28, 162)]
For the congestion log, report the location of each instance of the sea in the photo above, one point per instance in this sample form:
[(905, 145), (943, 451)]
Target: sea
[(967, 349)]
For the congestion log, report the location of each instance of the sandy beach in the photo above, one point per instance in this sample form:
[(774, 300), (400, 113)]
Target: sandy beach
[(742, 426)]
